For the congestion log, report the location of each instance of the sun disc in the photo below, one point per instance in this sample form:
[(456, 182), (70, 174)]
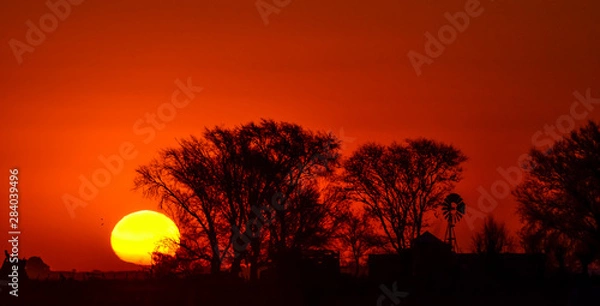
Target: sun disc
[(137, 235)]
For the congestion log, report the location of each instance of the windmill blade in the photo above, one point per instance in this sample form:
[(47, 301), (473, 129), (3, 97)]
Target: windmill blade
[(453, 198), (461, 207), (453, 213)]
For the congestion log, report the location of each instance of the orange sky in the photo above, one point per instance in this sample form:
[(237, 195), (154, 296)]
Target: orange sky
[(328, 65)]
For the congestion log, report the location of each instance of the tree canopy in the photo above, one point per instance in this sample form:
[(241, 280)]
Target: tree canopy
[(400, 183), (560, 196), (246, 192)]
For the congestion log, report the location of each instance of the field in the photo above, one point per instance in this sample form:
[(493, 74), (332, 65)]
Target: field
[(208, 292)]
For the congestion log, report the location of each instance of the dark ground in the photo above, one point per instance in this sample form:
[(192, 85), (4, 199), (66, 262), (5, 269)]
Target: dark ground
[(208, 292)]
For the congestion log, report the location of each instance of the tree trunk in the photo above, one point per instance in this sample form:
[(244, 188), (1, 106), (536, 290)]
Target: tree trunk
[(236, 265), (215, 265), (215, 260), (255, 245)]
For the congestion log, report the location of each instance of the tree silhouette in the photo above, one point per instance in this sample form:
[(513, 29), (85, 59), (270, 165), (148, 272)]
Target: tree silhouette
[(560, 193), (400, 183), (182, 179), (309, 220), (493, 238), (490, 242), (234, 190), (358, 234), (285, 162), (557, 247)]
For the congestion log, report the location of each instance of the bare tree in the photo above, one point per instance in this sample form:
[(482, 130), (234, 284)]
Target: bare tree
[(358, 234), (183, 179), (561, 192), (283, 203), (493, 239), (233, 190), (400, 183)]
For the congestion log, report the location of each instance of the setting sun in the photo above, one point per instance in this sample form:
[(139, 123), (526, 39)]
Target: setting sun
[(141, 233)]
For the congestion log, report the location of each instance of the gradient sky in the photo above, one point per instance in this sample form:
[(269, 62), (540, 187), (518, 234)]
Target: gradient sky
[(329, 65)]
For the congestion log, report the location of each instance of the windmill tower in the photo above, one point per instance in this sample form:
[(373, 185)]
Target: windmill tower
[(453, 209)]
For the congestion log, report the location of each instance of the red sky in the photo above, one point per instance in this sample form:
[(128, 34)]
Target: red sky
[(327, 65)]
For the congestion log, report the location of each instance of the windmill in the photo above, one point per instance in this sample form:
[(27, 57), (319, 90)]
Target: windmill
[(453, 209)]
